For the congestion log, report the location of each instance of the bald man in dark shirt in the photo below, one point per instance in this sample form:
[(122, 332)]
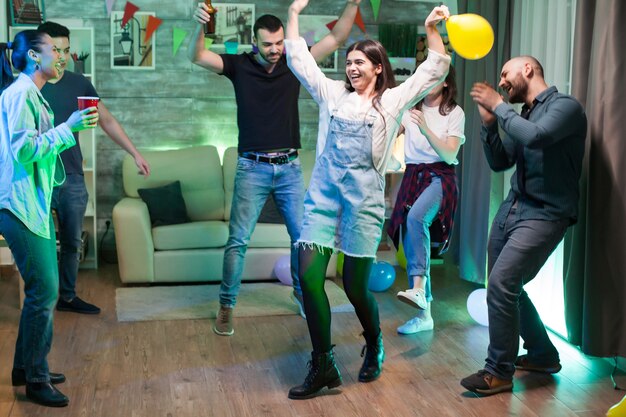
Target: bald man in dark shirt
[(546, 144)]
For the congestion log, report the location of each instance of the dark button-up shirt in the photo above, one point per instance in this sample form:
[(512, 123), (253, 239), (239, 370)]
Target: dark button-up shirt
[(547, 146)]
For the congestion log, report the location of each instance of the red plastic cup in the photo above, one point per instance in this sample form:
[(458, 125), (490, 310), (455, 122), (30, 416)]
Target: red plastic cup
[(85, 102)]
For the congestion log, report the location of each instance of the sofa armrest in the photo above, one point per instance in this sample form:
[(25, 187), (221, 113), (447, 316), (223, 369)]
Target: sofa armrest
[(133, 238)]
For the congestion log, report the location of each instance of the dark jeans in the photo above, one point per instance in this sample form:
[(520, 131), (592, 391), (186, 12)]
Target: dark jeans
[(517, 250), (70, 202), (36, 260)]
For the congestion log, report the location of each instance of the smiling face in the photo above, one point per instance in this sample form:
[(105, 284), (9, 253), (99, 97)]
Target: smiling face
[(361, 72), (62, 47), (270, 44), (513, 82), (48, 59)]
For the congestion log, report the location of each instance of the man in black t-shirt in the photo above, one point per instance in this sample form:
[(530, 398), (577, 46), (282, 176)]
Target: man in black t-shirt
[(269, 136), (70, 199)]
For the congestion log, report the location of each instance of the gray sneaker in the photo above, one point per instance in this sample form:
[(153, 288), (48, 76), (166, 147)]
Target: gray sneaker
[(224, 322), (297, 299)]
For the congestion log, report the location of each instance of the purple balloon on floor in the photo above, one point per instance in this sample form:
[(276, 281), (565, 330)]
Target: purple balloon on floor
[(382, 276), (282, 270)]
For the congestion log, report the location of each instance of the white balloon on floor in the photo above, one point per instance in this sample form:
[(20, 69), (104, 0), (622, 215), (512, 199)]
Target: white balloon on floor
[(477, 306), (282, 270)]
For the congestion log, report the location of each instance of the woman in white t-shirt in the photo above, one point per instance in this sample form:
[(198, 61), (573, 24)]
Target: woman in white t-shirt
[(434, 133)]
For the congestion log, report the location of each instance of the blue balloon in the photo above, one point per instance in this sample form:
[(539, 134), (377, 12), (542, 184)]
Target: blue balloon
[(382, 276)]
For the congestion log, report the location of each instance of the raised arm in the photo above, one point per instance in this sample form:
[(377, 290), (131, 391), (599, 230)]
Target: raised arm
[(428, 74), (197, 52), (331, 42), (293, 29), (435, 42)]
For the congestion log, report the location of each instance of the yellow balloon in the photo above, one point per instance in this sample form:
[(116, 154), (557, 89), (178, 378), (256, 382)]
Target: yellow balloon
[(618, 410), (400, 256), (471, 35)]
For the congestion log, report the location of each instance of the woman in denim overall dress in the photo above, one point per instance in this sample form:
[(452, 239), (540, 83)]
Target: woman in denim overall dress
[(344, 204)]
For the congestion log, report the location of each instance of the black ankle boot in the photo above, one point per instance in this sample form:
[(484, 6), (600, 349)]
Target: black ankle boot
[(45, 393), (18, 377), (374, 353), (323, 372)]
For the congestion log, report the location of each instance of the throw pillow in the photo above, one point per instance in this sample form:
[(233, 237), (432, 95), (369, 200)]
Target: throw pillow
[(165, 204), (270, 213)]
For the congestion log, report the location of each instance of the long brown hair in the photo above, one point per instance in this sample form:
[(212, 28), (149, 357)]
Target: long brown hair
[(376, 53), (448, 94)]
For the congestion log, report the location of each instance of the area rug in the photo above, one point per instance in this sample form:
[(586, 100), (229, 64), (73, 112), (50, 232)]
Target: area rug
[(179, 302)]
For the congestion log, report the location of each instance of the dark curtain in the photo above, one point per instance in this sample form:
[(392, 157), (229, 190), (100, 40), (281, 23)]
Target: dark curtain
[(480, 189), (594, 258)]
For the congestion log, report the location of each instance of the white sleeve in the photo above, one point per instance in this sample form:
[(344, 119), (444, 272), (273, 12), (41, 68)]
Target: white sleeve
[(27, 144), (430, 73), (304, 67)]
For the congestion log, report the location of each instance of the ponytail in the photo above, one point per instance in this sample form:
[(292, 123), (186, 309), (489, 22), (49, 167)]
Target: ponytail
[(23, 42)]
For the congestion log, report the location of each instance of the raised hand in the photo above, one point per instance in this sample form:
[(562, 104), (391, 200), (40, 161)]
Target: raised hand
[(438, 14), (201, 14), (485, 95), (298, 5), (83, 119)]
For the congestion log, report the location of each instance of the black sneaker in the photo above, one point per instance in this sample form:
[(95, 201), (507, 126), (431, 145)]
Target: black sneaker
[(484, 383), (77, 306)]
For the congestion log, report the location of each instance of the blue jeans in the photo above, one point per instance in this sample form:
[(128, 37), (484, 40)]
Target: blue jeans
[(70, 202), (254, 182), (517, 250), (36, 260), (416, 233)]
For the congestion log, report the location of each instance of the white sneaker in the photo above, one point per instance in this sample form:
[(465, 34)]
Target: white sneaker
[(414, 297), (416, 325)]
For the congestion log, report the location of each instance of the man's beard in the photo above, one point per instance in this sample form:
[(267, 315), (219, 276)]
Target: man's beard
[(519, 90)]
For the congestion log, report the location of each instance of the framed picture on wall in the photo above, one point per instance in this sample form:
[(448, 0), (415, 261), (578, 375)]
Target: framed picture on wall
[(128, 47), (313, 28), (27, 12), (233, 25)]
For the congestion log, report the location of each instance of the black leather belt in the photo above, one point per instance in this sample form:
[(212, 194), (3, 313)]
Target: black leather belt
[(277, 160)]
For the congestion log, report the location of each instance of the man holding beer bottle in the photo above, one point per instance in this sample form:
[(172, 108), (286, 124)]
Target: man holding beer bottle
[(267, 117)]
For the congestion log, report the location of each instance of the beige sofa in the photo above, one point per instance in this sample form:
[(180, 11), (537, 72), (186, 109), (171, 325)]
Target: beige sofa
[(192, 252)]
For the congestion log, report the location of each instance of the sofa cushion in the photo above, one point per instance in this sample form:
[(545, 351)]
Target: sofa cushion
[(194, 235), (199, 171), (165, 204)]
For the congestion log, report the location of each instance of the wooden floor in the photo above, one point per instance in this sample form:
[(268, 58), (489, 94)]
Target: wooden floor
[(181, 368)]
